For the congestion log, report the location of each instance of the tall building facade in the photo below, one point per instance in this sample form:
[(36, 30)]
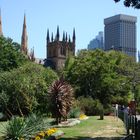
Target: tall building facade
[(97, 43), (120, 34), (58, 50)]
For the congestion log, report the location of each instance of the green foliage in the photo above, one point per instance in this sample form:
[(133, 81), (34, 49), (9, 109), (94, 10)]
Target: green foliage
[(90, 106), (61, 97), (102, 76), (10, 56), (132, 3), (23, 127), (24, 90), (74, 112)]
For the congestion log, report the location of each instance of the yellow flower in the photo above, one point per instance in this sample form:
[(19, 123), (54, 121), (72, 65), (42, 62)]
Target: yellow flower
[(41, 134), (37, 138), (82, 116), (50, 131)]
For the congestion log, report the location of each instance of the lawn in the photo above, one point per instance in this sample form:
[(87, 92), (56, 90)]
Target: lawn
[(93, 128)]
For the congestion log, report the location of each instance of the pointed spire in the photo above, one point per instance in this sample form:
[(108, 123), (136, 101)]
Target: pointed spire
[(1, 33), (74, 36), (48, 37), (66, 37), (69, 39), (24, 38), (52, 37), (57, 34), (32, 55), (63, 36)]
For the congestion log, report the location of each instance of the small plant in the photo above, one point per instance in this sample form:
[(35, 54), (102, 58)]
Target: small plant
[(23, 128), (74, 113)]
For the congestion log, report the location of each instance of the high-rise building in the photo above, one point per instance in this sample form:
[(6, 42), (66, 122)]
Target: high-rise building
[(96, 43), (120, 34)]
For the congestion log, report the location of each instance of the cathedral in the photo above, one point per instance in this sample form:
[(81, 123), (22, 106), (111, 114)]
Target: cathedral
[(57, 50)]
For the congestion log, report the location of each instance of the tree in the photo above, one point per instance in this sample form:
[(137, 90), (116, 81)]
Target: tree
[(24, 89), (99, 74), (10, 56), (61, 96), (132, 3)]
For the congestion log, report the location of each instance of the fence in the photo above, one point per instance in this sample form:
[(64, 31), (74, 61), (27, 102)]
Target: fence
[(132, 124)]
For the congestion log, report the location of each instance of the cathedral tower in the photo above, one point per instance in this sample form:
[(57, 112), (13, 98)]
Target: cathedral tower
[(57, 50), (24, 38)]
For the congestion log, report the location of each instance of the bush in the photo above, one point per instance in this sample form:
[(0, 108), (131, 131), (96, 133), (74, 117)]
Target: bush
[(89, 106), (23, 127), (74, 112), (23, 90)]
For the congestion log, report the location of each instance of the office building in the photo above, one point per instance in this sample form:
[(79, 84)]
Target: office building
[(120, 34), (96, 43)]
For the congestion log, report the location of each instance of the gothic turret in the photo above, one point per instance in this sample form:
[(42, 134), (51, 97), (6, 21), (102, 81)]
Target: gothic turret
[(1, 33), (48, 37), (32, 55), (69, 39), (63, 36), (57, 34), (52, 37), (74, 36), (66, 37), (24, 38)]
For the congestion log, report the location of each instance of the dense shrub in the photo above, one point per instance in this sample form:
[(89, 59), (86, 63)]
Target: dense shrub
[(74, 112), (24, 90), (90, 106)]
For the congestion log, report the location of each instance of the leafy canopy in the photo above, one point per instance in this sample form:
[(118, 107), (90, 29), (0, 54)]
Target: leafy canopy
[(101, 75), (10, 56), (131, 3)]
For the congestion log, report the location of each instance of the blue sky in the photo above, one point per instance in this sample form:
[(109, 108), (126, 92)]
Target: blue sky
[(85, 15)]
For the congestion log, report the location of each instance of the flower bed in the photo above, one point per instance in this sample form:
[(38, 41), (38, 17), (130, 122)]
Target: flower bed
[(50, 134), (83, 117)]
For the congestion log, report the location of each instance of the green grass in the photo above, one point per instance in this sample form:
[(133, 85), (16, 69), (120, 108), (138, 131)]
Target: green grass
[(109, 128)]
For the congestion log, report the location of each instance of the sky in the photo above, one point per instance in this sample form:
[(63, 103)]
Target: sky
[(86, 16)]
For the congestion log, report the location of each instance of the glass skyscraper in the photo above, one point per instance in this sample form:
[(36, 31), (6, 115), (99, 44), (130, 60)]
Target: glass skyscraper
[(97, 43), (120, 34)]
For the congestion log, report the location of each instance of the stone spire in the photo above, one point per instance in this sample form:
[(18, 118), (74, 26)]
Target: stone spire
[(32, 55), (1, 33), (63, 36), (48, 37), (24, 38), (52, 37), (66, 37), (57, 34), (69, 39), (74, 36)]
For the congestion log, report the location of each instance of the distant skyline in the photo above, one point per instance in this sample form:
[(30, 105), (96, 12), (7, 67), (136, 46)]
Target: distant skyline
[(87, 17)]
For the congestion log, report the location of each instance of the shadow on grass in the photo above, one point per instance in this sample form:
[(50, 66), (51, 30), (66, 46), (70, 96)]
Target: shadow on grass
[(89, 138)]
